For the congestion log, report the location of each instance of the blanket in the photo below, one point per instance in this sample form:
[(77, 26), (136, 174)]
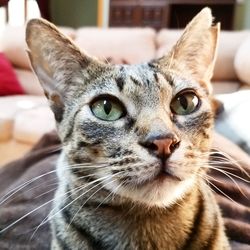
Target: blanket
[(27, 188)]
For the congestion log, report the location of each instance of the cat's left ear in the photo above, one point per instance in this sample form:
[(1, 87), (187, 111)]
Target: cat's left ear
[(195, 52)]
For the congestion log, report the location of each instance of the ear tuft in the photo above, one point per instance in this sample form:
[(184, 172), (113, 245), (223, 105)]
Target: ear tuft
[(204, 18)]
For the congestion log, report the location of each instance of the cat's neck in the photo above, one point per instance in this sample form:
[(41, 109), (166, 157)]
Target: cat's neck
[(110, 215)]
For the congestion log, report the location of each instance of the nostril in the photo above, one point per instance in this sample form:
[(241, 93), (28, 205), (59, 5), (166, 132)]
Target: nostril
[(149, 145), (174, 146)]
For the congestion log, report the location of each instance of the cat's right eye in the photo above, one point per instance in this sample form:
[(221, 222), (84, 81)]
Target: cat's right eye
[(107, 108)]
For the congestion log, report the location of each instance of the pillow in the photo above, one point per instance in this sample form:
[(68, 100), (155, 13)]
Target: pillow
[(13, 45), (29, 82), (132, 45), (242, 61), (234, 123), (9, 84)]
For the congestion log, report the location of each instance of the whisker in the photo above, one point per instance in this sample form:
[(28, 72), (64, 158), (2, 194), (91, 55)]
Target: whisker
[(103, 185), (20, 187), (229, 174), (236, 163), (223, 193), (30, 189), (217, 164), (237, 185), (47, 192), (34, 210), (23, 185), (112, 193), (49, 217)]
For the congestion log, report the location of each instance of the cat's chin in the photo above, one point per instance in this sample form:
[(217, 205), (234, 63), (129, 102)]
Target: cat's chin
[(163, 191), (167, 174)]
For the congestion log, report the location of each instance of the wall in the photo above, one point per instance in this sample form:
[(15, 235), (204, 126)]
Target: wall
[(78, 13), (247, 14), (74, 13), (242, 15)]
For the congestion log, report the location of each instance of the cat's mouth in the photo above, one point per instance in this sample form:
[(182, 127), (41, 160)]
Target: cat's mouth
[(167, 173)]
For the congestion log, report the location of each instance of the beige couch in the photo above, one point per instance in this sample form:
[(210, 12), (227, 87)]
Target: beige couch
[(24, 119)]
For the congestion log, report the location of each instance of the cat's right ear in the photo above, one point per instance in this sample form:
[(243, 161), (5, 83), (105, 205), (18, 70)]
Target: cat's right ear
[(59, 65)]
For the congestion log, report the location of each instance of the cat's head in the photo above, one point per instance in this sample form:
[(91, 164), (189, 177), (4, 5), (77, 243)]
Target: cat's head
[(145, 129)]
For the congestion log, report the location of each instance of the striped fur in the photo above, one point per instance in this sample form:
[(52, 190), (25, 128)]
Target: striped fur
[(112, 193)]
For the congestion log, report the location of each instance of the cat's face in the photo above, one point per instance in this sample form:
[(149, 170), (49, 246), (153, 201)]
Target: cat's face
[(122, 117), (145, 129)]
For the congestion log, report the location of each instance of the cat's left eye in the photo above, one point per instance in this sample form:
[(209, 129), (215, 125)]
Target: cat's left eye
[(185, 103), (107, 108)]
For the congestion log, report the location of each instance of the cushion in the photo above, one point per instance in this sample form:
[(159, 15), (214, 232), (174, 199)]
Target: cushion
[(234, 122), (166, 39), (13, 106), (9, 84), (14, 46), (12, 150), (29, 82), (242, 61), (5, 129), (30, 125), (228, 45), (223, 87), (130, 45)]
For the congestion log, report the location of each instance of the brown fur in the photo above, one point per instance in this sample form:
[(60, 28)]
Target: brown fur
[(113, 191)]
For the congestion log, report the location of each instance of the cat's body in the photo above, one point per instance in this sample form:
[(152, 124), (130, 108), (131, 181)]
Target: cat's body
[(136, 143)]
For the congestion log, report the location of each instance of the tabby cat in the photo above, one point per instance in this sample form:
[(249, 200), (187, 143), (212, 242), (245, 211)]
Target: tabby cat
[(136, 141)]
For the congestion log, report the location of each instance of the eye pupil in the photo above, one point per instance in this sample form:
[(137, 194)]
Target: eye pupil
[(184, 102), (107, 106)]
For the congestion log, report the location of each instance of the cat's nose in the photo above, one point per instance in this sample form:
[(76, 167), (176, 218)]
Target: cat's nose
[(162, 147), (165, 147)]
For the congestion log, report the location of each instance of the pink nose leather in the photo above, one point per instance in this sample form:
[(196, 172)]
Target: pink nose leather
[(165, 146)]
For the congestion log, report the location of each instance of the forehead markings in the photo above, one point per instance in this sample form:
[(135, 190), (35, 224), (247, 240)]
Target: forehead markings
[(135, 81), (70, 127), (152, 65), (157, 70), (168, 78), (120, 80), (156, 77), (154, 74)]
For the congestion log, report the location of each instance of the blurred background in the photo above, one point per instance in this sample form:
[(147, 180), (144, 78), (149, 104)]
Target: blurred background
[(234, 14), (118, 31)]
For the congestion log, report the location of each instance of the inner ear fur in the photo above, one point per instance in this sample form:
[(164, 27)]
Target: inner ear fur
[(195, 52), (51, 52)]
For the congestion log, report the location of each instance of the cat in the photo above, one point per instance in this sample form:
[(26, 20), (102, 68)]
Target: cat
[(136, 141)]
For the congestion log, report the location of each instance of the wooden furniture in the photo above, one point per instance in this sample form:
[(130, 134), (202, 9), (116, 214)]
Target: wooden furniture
[(44, 7), (167, 13), (4, 3), (138, 13)]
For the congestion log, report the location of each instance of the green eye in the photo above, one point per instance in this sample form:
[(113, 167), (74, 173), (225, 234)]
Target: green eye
[(107, 109), (185, 103)]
